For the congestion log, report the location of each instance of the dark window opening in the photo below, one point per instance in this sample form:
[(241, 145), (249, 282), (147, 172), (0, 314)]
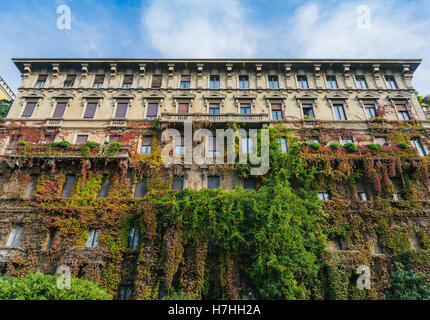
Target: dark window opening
[(104, 189), (68, 187), (59, 110), (214, 182), (250, 183), (128, 81), (70, 81), (133, 238), (156, 81), (178, 183), (93, 238), (140, 188), (51, 238), (90, 111)]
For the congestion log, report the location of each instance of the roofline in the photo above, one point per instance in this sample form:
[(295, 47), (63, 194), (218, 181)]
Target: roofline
[(7, 89)]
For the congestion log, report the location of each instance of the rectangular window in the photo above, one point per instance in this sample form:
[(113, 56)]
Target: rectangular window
[(302, 82), (416, 143), (402, 110), (51, 238), (124, 293), (214, 108), (81, 139), (13, 144), (331, 82), (70, 81), (391, 82), (121, 110), (245, 109), (128, 81), (324, 196), (114, 138), (361, 192), (283, 145), (214, 182), (308, 111), (273, 82), (179, 146), (183, 108), (140, 188), (99, 80), (59, 110), (185, 82), (361, 82), (247, 145), (152, 111), (277, 112), (380, 140), (146, 145), (104, 188), (345, 140), (243, 82), (29, 109), (14, 237), (133, 238), (156, 81), (41, 81), (314, 140), (31, 188), (178, 183), (214, 82), (250, 183), (93, 238), (68, 187), (398, 194), (212, 146), (90, 111), (370, 110), (339, 112)]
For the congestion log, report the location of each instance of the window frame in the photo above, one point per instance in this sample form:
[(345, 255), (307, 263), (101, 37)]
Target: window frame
[(302, 81), (214, 83), (243, 81), (329, 82), (273, 82), (14, 237)]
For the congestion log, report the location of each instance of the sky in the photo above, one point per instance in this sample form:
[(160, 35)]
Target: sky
[(216, 29)]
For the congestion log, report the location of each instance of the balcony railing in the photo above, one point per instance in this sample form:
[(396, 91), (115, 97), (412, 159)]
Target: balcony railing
[(221, 117)]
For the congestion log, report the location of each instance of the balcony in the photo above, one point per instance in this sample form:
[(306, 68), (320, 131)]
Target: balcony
[(221, 117)]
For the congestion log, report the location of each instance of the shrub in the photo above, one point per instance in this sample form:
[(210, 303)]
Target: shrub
[(92, 144), (402, 145), (335, 145), (350, 147), (374, 146), (114, 147), (23, 143), (315, 146), (38, 286), (408, 285), (304, 144), (64, 144), (54, 144)]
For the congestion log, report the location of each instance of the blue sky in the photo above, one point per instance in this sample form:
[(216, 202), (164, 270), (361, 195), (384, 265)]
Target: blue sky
[(215, 28)]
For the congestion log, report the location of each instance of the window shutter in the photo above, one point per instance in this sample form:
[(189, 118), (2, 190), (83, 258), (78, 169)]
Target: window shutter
[(183, 108), (276, 106), (121, 110), (29, 109), (59, 110), (156, 81), (91, 110), (146, 141), (152, 110), (81, 139)]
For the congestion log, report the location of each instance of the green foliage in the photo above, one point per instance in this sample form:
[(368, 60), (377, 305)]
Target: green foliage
[(4, 108), (23, 143), (402, 145), (350, 147), (334, 145), (408, 285), (92, 144), (64, 144), (374, 146), (315, 146), (38, 286)]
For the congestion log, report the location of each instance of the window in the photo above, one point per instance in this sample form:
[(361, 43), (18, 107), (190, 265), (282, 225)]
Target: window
[(361, 82), (13, 144), (245, 109), (331, 82), (214, 82), (346, 140), (124, 293), (93, 238), (416, 142), (104, 188), (81, 139), (59, 110), (29, 109), (178, 183), (99, 80), (152, 111), (14, 237), (397, 195), (68, 187), (402, 110), (361, 192), (121, 110), (212, 146), (146, 145), (90, 111), (391, 82), (70, 81), (183, 108), (362, 196), (31, 188), (247, 145), (370, 110), (185, 82), (133, 238), (41, 80), (324, 196), (243, 82), (250, 183), (140, 188), (51, 238), (114, 138), (380, 140), (283, 145), (273, 82), (302, 82), (214, 108), (277, 112), (128, 81), (214, 182), (314, 140), (308, 111), (339, 112), (156, 81), (179, 146)]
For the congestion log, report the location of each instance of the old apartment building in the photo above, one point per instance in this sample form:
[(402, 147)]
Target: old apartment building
[(112, 111)]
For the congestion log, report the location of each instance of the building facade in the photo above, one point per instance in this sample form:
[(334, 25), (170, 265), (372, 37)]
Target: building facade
[(75, 119)]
